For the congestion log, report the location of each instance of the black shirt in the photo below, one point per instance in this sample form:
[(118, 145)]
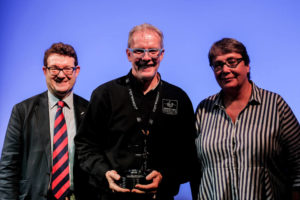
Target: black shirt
[(110, 126)]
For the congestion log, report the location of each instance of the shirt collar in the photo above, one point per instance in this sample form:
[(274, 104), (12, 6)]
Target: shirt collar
[(256, 94), (255, 97), (137, 85), (67, 100)]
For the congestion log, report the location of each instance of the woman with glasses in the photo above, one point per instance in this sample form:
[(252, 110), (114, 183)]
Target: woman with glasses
[(248, 139)]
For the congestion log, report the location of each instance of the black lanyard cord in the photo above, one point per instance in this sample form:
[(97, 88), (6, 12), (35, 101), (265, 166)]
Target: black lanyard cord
[(137, 110)]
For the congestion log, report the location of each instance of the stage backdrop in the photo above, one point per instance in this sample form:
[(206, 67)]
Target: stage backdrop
[(99, 29)]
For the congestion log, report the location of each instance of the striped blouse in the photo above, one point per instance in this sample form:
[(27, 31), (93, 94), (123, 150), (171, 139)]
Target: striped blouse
[(257, 157)]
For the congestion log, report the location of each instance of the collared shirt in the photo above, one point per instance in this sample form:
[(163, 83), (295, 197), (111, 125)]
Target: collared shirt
[(110, 130), (257, 157), (69, 115)]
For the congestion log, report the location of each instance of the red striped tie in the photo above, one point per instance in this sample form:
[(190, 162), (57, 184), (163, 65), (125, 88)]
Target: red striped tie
[(60, 171)]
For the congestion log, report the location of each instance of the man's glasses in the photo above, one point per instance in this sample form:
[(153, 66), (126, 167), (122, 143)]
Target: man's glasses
[(230, 62), (139, 53), (55, 71)]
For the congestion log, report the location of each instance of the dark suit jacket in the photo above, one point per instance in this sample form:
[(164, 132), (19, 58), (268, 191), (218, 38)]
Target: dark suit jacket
[(25, 166)]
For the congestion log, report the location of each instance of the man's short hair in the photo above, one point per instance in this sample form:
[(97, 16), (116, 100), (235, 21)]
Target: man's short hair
[(228, 45), (61, 49), (145, 27)]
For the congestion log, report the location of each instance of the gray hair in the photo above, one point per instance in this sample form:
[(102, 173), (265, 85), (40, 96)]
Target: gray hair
[(144, 27)]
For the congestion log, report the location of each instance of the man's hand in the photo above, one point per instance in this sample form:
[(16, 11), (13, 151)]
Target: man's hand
[(156, 178), (111, 177)]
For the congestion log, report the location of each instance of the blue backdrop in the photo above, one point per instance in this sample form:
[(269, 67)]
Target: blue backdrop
[(99, 29)]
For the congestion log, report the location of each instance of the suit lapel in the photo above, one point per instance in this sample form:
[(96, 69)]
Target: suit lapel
[(44, 127), (79, 110)]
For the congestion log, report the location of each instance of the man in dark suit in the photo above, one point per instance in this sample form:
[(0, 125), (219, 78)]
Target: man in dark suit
[(33, 152)]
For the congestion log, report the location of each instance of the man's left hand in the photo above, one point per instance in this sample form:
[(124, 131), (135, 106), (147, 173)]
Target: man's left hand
[(156, 178)]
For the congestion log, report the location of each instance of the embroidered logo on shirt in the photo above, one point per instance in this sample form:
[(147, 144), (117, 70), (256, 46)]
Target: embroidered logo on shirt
[(170, 107)]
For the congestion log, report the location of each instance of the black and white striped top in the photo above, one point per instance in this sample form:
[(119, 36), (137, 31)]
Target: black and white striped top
[(257, 157)]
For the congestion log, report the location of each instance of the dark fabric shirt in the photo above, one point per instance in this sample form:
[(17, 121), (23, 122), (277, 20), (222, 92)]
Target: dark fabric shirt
[(257, 157), (110, 127)]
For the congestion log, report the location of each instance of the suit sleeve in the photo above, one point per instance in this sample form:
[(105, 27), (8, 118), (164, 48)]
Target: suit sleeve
[(10, 163), (89, 140)]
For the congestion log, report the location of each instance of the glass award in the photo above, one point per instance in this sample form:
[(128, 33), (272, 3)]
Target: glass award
[(139, 168)]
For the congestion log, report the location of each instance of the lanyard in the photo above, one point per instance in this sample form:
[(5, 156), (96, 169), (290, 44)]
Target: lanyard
[(137, 110)]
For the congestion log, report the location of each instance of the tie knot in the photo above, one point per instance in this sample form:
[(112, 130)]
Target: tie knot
[(60, 104)]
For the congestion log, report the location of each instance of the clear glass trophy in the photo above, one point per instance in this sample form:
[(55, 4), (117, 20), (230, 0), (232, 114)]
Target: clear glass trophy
[(139, 168)]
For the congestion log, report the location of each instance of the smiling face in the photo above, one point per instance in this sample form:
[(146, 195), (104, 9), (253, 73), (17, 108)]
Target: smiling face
[(60, 85), (231, 78), (145, 68)]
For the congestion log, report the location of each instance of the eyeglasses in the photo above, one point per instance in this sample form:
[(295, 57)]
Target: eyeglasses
[(55, 71), (139, 52), (230, 62)]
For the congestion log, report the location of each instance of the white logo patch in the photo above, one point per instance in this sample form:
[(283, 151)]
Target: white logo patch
[(170, 107)]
